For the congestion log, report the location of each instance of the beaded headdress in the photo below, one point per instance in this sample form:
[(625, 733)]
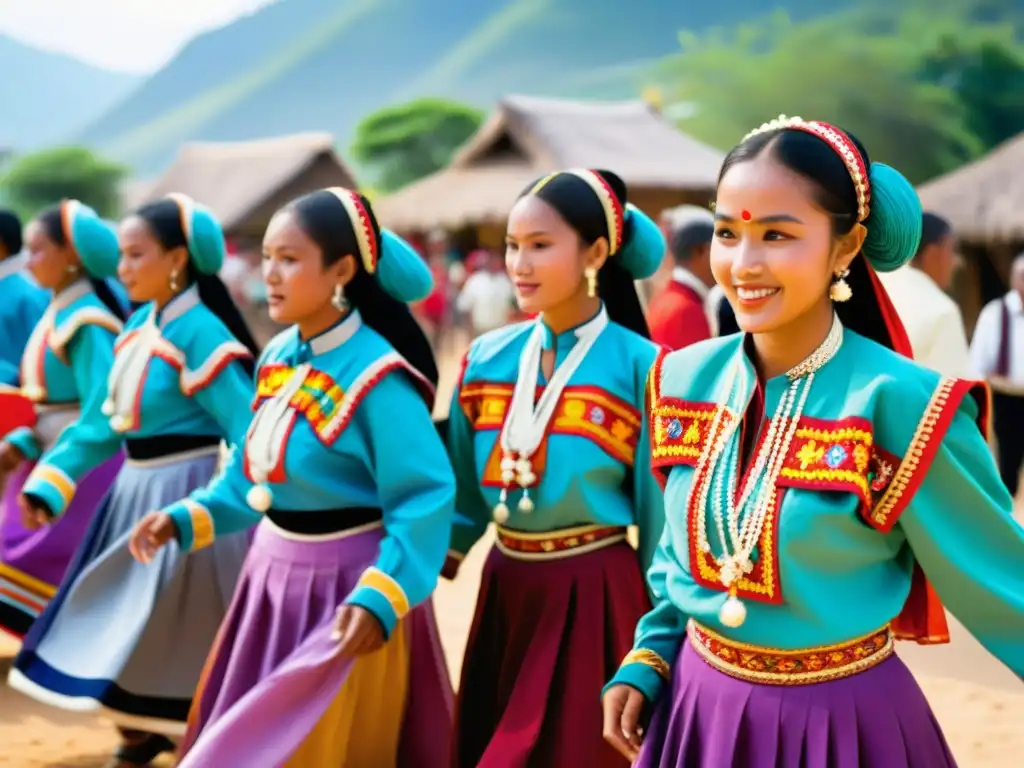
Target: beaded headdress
[(614, 212), (361, 225), (840, 143), (396, 266)]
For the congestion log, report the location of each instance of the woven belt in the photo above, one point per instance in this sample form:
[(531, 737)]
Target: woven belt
[(772, 666), (550, 545)]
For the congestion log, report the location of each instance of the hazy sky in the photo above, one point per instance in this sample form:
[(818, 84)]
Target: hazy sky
[(129, 35)]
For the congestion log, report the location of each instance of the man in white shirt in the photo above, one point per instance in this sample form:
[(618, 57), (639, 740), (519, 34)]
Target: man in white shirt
[(997, 355), (487, 297), (933, 320)]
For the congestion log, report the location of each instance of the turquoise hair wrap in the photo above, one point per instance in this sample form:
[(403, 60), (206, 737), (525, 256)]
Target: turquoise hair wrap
[(401, 271), (203, 234), (894, 223), (642, 252), (94, 240)]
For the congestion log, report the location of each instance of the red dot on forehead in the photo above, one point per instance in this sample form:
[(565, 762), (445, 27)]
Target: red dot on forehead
[(745, 215)]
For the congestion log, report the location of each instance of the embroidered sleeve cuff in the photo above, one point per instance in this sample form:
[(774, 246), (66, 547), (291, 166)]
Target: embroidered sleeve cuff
[(25, 441), (52, 486), (382, 596), (194, 524), (644, 670)]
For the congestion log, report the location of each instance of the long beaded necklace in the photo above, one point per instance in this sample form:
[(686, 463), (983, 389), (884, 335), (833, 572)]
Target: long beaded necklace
[(528, 417), (717, 469)]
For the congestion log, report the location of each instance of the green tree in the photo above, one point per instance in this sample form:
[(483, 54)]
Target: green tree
[(855, 69), (406, 142), (986, 73), (40, 179)]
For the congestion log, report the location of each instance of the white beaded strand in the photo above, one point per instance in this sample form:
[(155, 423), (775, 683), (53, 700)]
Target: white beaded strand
[(528, 418), (716, 473)]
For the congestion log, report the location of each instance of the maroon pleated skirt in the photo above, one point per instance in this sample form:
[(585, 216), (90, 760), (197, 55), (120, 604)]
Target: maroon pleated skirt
[(546, 637)]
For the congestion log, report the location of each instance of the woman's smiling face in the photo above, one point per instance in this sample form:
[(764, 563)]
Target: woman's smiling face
[(774, 253)]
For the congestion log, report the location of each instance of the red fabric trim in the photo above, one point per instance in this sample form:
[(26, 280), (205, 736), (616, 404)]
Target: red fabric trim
[(16, 411), (897, 332), (217, 369), (923, 618)]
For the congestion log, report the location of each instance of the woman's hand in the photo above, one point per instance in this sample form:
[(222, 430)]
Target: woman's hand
[(623, 706), (33, 514), (10, 458), (151, 533), (450, 569), (357, 631)]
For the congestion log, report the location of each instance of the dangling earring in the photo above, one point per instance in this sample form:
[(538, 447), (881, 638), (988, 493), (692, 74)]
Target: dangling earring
[(71, 269), (174, 280), (840, 289), (591, 274), (338, 299)]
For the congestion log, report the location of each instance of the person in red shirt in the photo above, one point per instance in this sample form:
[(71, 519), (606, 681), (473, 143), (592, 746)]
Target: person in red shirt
[(677, 315)]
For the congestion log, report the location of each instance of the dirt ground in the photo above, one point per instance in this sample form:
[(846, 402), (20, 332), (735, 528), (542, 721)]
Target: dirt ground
[(978, 702)]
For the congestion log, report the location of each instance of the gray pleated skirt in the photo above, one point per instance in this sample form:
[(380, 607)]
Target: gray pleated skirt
[(127, 639)]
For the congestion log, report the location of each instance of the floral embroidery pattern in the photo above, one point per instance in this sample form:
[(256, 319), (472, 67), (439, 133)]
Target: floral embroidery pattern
[(772, 666), (585, 411), (680, 429), (318, 399)]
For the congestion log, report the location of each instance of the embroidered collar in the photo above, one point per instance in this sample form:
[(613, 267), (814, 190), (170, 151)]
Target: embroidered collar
[(683, 276), (72, 293), (12, 265), (336, 335), (551, 340), (814, 362), (178, 306)]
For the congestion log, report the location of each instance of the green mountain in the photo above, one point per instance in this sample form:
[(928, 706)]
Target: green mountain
[(323, 64), (48, 96)]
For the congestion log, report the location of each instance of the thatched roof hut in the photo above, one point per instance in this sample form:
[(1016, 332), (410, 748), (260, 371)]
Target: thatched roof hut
[(245, 182), (527, 137), (983, 199)]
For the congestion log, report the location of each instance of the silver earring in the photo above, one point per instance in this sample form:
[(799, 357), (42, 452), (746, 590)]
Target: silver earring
[(338, 299), (174, 280)]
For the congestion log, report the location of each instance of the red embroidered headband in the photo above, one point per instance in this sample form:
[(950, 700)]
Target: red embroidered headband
[(840, 143), (186, 207), (68, 211), (613, 211), (361, 225)]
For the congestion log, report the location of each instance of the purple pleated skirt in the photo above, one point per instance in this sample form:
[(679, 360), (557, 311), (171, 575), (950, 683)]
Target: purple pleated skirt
[(878, 718), (33, 562), (273, 677)]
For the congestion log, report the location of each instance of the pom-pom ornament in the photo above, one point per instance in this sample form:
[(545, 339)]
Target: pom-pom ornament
[(501, 513), (108, 408), (732, 613), (259, 498), (120, 422), (35, 394), (840, 290), (525, 504)]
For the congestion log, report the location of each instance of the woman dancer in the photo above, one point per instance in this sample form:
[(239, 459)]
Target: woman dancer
[(324, 658), (563, 476), (121, 637), (822, 475), (23, 300), (63, 369)]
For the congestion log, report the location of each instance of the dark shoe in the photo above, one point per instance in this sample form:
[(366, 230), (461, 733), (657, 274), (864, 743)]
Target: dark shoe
[(138, 754)]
